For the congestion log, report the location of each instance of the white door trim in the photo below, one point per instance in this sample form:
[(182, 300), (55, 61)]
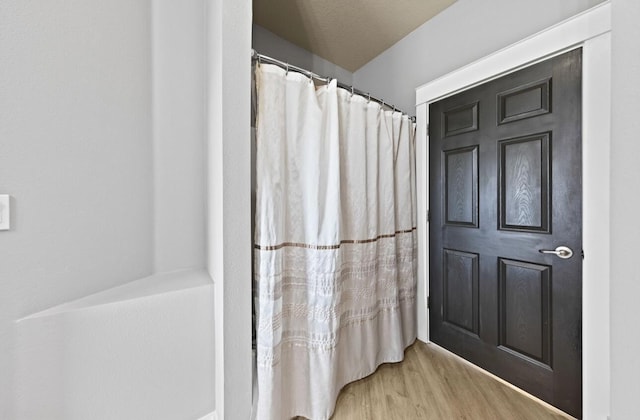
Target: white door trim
[(591, 31)]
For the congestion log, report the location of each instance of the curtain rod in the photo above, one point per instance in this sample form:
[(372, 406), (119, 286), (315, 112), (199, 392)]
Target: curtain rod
[(289, 67)]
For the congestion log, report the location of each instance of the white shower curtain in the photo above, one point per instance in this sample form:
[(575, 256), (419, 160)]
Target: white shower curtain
[(335, 241)]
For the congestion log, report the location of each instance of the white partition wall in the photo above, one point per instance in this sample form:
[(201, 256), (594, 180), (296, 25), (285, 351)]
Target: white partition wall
[(229, 200)]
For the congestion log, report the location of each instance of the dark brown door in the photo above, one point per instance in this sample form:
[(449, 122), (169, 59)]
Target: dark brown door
[(505, 184)]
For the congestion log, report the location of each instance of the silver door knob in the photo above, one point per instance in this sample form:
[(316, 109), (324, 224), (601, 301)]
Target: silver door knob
[(563, 252)]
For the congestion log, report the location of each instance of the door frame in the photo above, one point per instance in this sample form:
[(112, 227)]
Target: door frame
[(590, 30)]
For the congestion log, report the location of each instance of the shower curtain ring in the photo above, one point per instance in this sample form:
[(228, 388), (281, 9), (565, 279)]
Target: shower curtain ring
[(352, 91), (369, 97), (287, 73)]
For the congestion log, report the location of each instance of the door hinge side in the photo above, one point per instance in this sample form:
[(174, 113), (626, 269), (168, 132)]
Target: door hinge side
[(582, 253), (428, 302), (428, 216)]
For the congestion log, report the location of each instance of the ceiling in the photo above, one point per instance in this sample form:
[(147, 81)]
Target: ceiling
[(349, 33)]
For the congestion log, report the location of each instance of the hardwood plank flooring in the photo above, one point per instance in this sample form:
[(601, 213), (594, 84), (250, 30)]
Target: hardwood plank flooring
[(432, 383)]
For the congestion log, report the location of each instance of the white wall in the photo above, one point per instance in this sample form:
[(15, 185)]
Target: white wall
[(267, 43), (75, 154), (102, 147), (179, 127), (625, 202), (229, 200), (459, 35)]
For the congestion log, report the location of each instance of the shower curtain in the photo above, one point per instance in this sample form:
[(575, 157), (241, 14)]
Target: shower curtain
[(335, 241)]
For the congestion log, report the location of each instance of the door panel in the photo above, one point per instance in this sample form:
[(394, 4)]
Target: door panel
[(529, 100), (524, 183), (461, 119), (460, 304), (505, 182), (461, 190), (525, 309)]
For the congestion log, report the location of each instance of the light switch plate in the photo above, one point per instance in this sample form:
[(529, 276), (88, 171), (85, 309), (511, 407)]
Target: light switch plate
[(5, 214)]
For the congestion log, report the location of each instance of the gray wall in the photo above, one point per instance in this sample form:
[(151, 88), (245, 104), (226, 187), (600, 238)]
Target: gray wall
[(464, 32), (102, 131), (75, 154), (179, 129), (270, 44), (625, 206)]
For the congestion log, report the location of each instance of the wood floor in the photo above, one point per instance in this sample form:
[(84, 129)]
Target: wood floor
[(431, 383)]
